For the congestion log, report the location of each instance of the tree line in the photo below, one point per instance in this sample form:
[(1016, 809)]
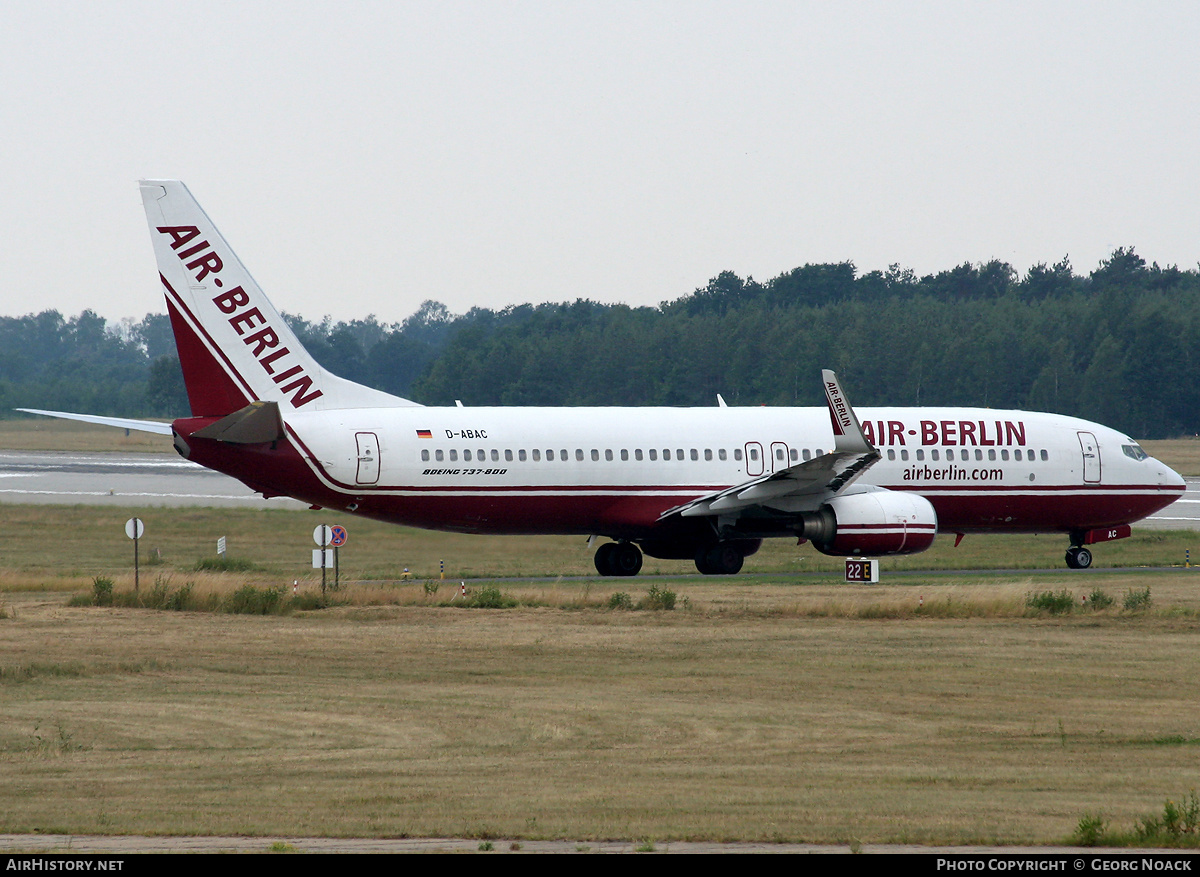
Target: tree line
[(1116, 345)]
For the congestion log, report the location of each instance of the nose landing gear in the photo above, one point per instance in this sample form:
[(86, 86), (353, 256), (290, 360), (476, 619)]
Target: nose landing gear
[(1078, 557)]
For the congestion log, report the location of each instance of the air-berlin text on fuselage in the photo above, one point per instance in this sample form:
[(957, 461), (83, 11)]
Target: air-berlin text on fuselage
[(951, 433), (202, 261)]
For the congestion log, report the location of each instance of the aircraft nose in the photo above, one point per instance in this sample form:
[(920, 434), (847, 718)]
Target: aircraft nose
[(1168, 477)]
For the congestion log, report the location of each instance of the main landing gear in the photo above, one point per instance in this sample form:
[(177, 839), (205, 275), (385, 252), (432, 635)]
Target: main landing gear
[(722, 559), (618, 559)]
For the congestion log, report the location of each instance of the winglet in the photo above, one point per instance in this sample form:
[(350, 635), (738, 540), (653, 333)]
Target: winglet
[(848, 436)]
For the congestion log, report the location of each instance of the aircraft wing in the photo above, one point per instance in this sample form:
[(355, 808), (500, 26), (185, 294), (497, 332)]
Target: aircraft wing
[(805, 485), (119, 422)]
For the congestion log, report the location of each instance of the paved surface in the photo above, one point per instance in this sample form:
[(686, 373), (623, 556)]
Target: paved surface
[(121, 480)]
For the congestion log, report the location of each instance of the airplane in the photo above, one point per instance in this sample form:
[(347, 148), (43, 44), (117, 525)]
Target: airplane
[(701, 484)]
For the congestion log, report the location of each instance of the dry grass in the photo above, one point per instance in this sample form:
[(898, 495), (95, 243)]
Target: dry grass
[(540, 723)]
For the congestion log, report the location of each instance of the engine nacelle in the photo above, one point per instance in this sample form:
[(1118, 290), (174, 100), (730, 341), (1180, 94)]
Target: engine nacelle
[(875, 522)]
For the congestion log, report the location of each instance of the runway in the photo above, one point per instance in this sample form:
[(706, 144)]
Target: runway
[(68, 477), (161, 480)]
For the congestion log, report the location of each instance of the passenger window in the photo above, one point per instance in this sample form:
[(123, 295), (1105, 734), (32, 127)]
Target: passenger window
[(950, 453), (624, 454), (779, 454), (1017, 454), (425, 456), (562, 455), (507, 455), (653, 454), (438, 455), (737, 454), (453, 456), (708, 454), (495, 456), (933, 455), (521, 455), (978, 454), (1045, 456), (754, 454), (695, 455), (904, 454), (579, 454), (891, 453), (666, 453), (550, 455), (991, 454), (807, 455), (595, 455), (608, 455), (637, 454), (537, 455), (795, 455), (467, 456), (1004, 454), (679, 454), (920, 453), (721, 454)]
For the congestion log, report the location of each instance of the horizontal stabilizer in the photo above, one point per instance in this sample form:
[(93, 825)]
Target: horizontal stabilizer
[(119, 422), (255, 424)]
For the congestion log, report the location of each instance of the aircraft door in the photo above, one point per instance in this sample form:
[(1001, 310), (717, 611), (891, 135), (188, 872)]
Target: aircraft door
[(1091, 457), (368, 457), (754, 459), (779, 456)]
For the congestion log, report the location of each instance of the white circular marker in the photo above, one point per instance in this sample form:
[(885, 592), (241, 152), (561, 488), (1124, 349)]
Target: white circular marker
[(134, 528)]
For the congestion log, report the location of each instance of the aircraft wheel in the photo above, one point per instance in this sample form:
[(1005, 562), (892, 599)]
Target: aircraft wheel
[(724, 559), (1078, 557), (702, 564), (603, 559), (625, 559)]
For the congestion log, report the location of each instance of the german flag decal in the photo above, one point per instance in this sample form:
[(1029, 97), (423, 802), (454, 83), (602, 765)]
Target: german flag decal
[(424, 433)]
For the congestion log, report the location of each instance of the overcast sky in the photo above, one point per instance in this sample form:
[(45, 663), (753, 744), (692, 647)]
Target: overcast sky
[(363, 157)]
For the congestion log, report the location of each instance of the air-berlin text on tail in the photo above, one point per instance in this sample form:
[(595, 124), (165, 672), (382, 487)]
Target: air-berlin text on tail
[(951, 433), (203, 261)]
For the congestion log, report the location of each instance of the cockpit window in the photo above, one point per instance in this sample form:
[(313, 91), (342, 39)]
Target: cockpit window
[(1134, 451)]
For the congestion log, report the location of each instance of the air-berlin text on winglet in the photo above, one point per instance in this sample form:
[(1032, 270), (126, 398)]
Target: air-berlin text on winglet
[(839, 412), (203, 261)]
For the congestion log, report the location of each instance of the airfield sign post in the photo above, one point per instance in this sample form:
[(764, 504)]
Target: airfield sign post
[(862, 569), (134, 528), (324, 556), (337, 538), (321, 536)]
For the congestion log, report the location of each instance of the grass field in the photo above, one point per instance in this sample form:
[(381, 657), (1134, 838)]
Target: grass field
[(776, 705), (736, 719)]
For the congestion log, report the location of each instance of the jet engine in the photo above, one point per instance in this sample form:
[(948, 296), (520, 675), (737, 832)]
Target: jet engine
[(874, 522)]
